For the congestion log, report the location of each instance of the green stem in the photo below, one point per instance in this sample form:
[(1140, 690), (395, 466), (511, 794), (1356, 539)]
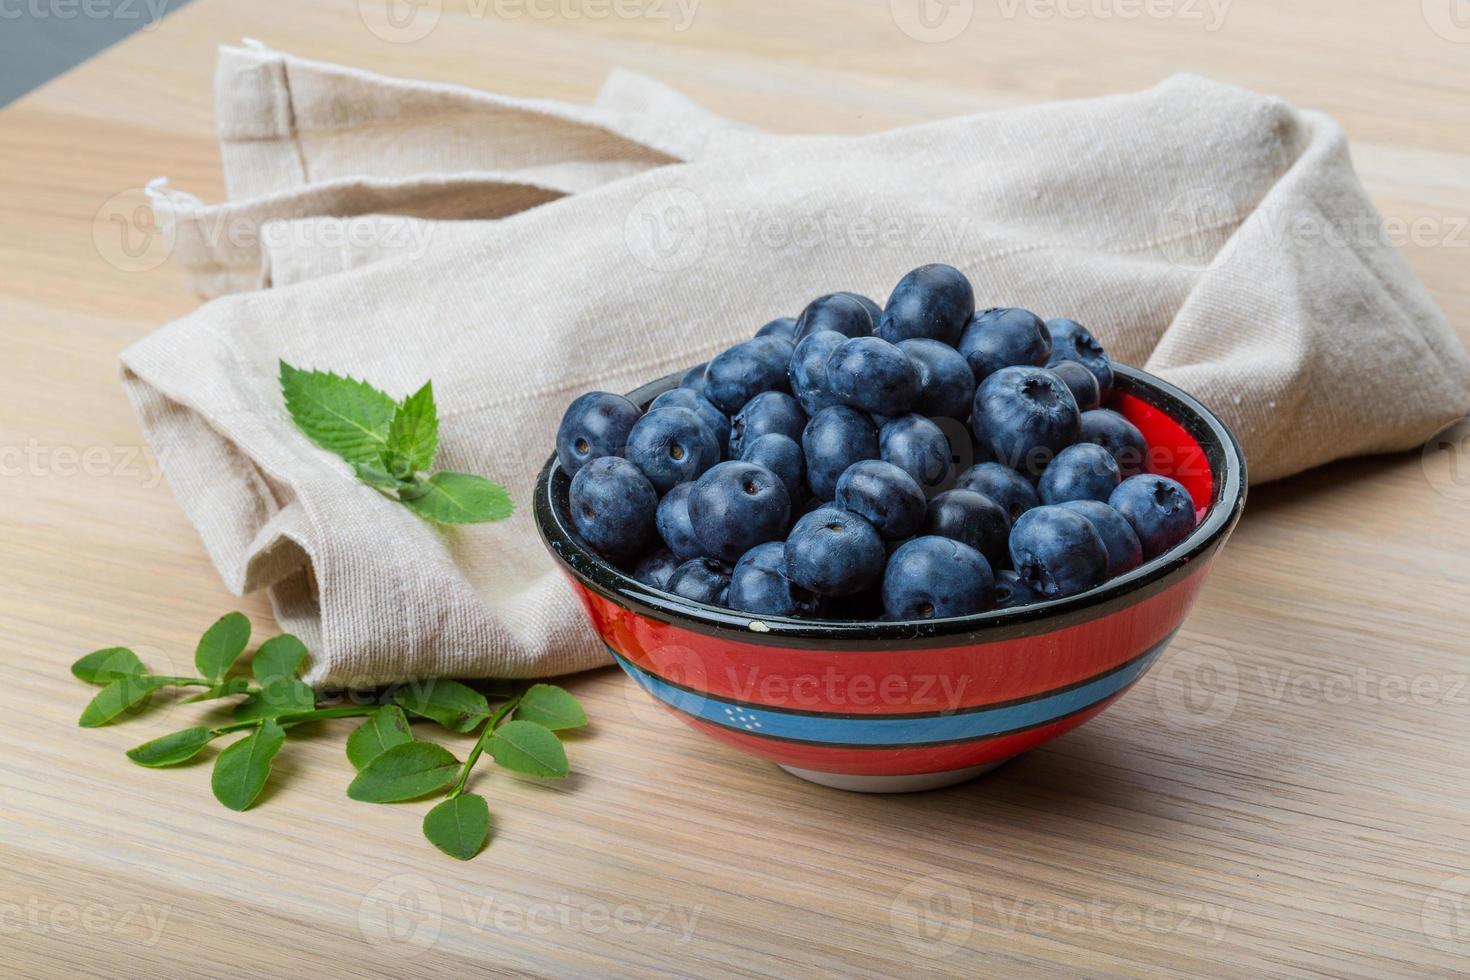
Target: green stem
[(300, 717), (479, 749), (186, 681)]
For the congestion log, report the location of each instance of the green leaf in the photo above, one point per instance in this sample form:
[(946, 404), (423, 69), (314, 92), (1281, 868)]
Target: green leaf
[(275, 665), (459, 498), (278, 658), (374, 475), (524, 746), (383, 729), (118, 696), (241, 770), (405, 772), (550, 707), (341, 415), (414, 431), (170, 750), (450, 703), (459, 827), (106, 666), (222, 644)]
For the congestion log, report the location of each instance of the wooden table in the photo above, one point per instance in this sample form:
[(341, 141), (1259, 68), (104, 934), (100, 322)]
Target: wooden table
[(1285, 794)]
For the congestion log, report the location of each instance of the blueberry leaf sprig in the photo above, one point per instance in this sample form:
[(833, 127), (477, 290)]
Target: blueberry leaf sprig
[(390, 445), (392, 764)]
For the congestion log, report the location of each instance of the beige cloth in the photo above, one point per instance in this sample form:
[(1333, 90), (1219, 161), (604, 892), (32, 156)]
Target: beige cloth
[(519, 252)]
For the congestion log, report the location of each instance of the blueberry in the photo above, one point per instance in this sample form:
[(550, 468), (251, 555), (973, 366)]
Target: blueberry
[(736, 506), (1000, 483), (1160, 510), (936, 578), (1118, 436), (655, 568), (674, 525), (1057, 552), (933, 301), (672, 445), (972, 518), (770, 411), (873, 375), (842, 312), (783, 327), (884, 495), (834, 553), (1070, 341), (1011, 592), (1125, 553), (693, 379), (834, 439), (1026, 415), (807, 371), (595, 425), (918, 447), (782, 456), (946, 385), (702, 580), (745, 370), (1080, 472), (1080, 382), (699, 405), (1006, 336), (613, 507), (759, 585), (875, 312)]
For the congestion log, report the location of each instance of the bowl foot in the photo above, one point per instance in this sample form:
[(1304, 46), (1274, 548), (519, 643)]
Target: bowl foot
[(913, 783)]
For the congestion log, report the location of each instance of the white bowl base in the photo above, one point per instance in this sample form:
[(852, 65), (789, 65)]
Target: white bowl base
[(913, 783)]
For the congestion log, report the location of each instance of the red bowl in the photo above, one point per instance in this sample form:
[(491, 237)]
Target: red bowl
[(897, 706)]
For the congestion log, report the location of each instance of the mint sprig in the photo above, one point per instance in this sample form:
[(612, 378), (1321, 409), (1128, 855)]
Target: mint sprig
[(390, 445), (392, 764)]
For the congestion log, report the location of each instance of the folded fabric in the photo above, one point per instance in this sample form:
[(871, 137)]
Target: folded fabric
[(520, 252)]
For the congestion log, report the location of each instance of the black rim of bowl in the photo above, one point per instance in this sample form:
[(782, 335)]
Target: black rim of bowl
[(1222, 452)]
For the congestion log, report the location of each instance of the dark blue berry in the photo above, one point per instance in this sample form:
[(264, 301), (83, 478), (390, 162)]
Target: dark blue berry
[(736, 506), (745, 370), (595, 425), (1026, 415), (842, 312), (613, 507), (759, 585), (833, 440), (1080, 382), (1118, 436), (655, 568), (693, 379), (875, 312), (1159, 509), (770, 411), (946, 385), (1004, 337), (834, 553), (933, 301), (807, 371), (874, 376), (672, 445), (783, 327), (936, 578), (1125, 553), (1080, 472), (917, 446), (674, 525), (699, 405), (1070, 341), (782, 456), (972, 518), (1000, 483), (1011, 592), (702, 580), (884, 495), (1057, 552)]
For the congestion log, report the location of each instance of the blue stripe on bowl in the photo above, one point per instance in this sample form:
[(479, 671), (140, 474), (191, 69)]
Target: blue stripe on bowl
[(876, 730)]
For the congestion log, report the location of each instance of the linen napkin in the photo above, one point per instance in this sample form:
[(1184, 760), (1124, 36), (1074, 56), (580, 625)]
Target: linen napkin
[(519, 252)]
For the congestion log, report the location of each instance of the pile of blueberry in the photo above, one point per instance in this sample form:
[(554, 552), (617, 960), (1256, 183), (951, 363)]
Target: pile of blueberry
[(807, 471)]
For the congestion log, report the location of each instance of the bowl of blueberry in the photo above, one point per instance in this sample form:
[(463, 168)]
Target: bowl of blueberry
[(889, 548)]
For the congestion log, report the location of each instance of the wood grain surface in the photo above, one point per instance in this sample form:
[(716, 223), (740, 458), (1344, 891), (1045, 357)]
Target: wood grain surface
[(1285, 794)]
